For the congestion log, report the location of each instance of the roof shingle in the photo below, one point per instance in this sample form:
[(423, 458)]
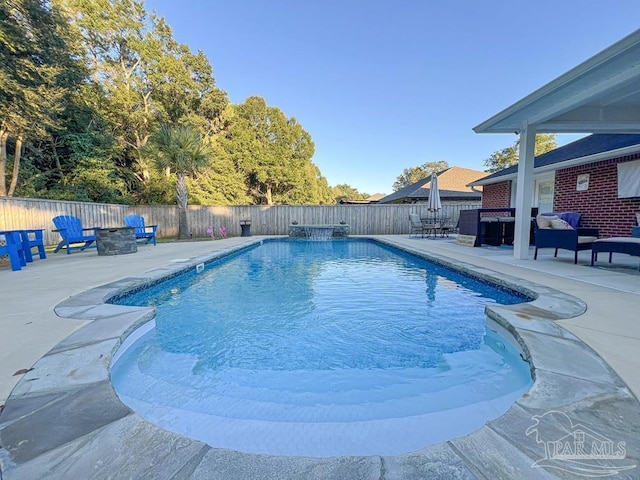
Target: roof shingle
[(452, 184), (583, 147)]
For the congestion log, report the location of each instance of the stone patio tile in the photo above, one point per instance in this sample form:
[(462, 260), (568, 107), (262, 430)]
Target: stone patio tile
[(96, 295), (607, 419), (220, 464), (493, 457), (560, 304), (73, 311), (522, 320), (68, 369), (106, 328), (616, 418), (567, 357), (438, 462), (552, 390), (128, 448), (517, 427), (62, 421), (94, 312), (18, 407)]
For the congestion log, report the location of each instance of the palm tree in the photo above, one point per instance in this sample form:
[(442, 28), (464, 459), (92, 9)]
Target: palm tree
[(181, 150)]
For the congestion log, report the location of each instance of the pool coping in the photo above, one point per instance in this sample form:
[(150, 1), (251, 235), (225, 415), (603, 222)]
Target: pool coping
[(64, 418)]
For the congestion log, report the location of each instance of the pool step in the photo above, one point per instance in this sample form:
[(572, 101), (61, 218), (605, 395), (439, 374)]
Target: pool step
[(321, 396)]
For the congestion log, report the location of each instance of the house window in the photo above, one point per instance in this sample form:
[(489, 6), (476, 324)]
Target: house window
[(544, 195), (629, 179)]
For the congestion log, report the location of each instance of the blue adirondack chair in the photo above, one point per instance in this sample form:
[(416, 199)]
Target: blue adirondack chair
[(71, 230), (142, 231), (14, 250), (30, 239)]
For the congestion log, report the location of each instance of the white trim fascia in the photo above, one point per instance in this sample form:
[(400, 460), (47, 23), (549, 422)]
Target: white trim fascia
[(596, 157), (585, 68), (502, 178)]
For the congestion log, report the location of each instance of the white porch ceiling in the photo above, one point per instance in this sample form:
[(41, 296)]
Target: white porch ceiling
[(601, 95)]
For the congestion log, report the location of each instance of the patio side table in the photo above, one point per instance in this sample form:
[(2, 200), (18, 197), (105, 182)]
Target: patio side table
[(245, 227)]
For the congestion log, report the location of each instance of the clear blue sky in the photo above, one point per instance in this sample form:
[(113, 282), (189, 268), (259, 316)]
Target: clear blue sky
[(382, 85)]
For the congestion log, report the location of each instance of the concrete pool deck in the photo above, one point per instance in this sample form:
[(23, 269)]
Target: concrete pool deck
[(51, 426)]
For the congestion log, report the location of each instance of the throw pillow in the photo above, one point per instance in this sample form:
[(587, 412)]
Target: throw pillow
[(560, 224), (544, 221)]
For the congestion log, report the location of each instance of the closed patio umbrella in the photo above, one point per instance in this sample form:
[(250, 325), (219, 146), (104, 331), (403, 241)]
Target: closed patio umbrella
[(434, 203)]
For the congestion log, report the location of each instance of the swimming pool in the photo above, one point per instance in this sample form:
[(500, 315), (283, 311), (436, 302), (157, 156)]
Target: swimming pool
[(321, 349)]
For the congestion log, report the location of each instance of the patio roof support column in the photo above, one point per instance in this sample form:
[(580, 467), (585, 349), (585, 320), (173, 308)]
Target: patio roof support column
[(524, 192)]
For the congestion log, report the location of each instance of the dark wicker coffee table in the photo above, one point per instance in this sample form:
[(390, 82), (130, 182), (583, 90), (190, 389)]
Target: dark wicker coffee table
[(628, 245)]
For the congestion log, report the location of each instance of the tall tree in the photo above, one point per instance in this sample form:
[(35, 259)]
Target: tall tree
[(147, 77), (344, 191), (220, 183), (272, 150), (182, 151), (83, 151), (413, 174), (314, 188), (501, 159), (38, 72), (84, 83)]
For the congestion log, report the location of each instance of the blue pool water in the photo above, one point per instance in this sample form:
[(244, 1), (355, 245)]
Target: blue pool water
[(321, 349)]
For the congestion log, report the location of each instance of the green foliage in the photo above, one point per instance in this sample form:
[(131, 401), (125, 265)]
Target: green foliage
[(545, 142), (347, 192), (314, 188), (37, 65), (319, 189), (147, 77), (38, 72), (180, 149), (160, 189), (94, 180), (501, 159), (219, 183), (273, 151), (85, 85), (413, 174), (215, 189), (84, 158)]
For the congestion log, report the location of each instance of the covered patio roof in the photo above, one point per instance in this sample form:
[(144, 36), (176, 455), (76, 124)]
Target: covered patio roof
[(601, 95)]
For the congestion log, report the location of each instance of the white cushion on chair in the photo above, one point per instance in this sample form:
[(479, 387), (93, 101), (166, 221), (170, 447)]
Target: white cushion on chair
[(544, 221), (620, 240), (587, 239), (559, 224)]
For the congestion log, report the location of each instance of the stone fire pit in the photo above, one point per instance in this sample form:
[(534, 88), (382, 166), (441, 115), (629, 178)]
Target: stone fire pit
[(116, 240)]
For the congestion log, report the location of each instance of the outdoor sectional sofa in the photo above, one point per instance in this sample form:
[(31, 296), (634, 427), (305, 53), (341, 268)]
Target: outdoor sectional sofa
[(562, 230)]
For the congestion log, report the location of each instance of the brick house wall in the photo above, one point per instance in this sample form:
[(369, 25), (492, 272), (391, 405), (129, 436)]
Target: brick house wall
[(599, 205), (497, 195)]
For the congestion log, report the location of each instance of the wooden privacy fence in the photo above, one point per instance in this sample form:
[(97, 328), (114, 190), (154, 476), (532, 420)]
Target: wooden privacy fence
[(24, 213)]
